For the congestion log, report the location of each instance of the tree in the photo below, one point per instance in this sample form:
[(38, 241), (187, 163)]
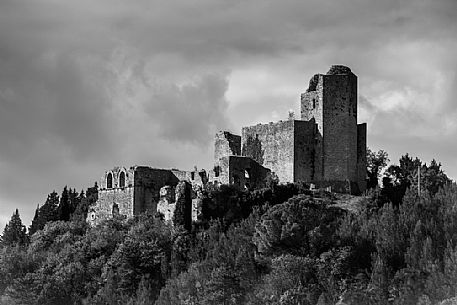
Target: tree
[(398, 178), (49, 211), (292, 280), (14, 232), (300, 226), (35, 226), (65, 205), (84, 201), (376, 161), (144, 253)]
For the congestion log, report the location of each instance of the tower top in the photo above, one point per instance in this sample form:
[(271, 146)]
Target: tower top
[(339, 69)]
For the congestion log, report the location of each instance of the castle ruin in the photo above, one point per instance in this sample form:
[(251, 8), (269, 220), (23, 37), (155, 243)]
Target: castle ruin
[(325, 147)]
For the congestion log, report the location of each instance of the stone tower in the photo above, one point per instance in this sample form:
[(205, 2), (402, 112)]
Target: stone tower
[(331, 100)]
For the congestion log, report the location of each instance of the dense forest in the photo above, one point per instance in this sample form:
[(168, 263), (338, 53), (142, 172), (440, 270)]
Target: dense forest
[(283, 244)]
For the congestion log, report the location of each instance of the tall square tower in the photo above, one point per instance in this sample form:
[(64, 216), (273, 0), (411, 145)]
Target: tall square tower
[(331, 100)]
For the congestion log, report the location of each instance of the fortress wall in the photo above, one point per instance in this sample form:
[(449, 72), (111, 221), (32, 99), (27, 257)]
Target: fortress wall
[(122, 197), (115, 174), (220, 172), (362, 156), (193, 177), (312, 108), (312, 102), (226, 144), (340, 127), (246, 172), (148, 182), (114, 199), (304, 150), (272, 146)]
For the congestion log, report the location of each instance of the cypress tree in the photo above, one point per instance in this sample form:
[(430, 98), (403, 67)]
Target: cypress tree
[(14, 232), (49, 211), (64, 205), (35, 222)]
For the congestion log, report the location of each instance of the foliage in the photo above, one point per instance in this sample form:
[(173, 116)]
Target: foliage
[(300, 226), (376, 161), (399, 178), (14, 232), (279, 245)]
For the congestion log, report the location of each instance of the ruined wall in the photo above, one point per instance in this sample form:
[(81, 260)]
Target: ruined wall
[(115, 176), (167, 205), (176, 204), (246, 173), (183, 210), (272, 146), (115, 200), (312, 108), (304, 150), (195, 177), (287, 148), (220, 173), (226, 144), (148, 182), (197, 205), (139, 193), (362, 156)]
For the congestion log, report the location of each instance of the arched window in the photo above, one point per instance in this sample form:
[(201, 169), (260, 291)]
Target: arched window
[(109, 181), (122, 179)]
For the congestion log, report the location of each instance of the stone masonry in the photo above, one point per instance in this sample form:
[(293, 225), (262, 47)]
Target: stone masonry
[(139, 192), (325, 147)]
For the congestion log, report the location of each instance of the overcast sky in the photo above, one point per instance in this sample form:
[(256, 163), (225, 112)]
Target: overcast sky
[(86, 85)]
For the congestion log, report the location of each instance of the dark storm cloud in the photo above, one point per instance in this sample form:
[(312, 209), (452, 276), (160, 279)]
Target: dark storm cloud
[(85, 85)]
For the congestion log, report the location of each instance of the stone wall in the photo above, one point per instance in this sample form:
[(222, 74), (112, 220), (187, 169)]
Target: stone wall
[(304, 150), (183, 206), (139, 193), (111, 202), (287, 148), (220, 173), (116, 199), (167, 205), (245, 172), (176, 205), (148, 182), (197, 205), (312, 108), (226, 144), (115, 177), (274, 142), (195, 177)]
